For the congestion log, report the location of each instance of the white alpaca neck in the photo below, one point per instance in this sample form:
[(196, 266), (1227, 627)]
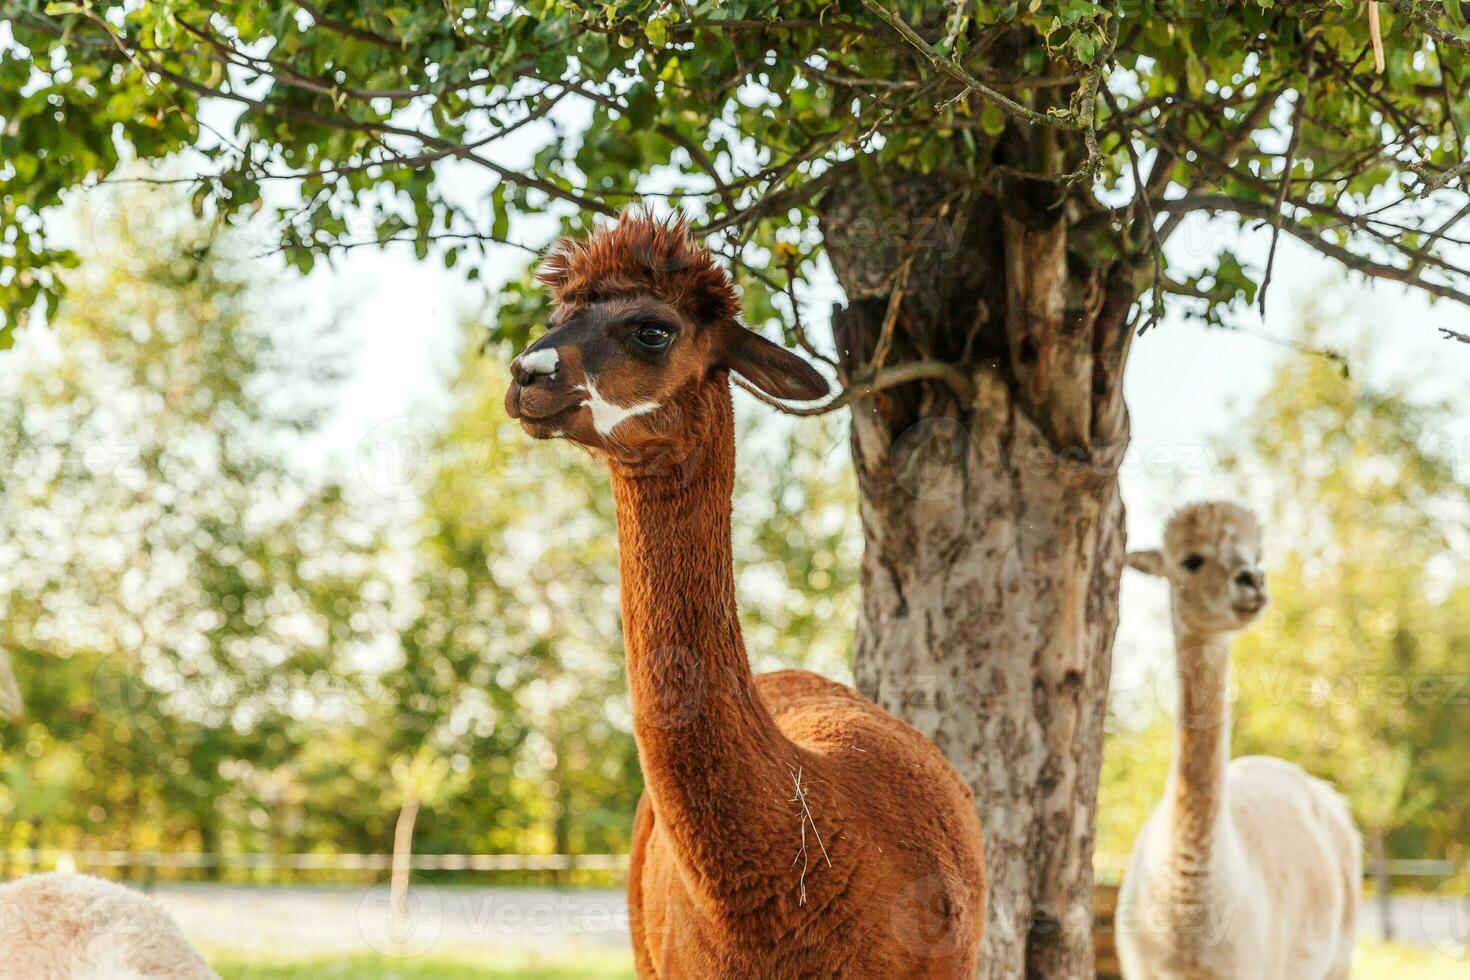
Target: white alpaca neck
[(1196, 788)]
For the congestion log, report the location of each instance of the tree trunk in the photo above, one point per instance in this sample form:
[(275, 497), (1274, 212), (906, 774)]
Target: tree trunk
[(992, 521), (402, 871)]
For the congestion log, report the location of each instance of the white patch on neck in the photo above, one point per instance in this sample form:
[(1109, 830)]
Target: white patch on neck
[(605, 415), (543, 361)]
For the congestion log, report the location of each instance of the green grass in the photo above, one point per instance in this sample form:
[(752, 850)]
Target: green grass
[(1378, 961), (1375, 962)]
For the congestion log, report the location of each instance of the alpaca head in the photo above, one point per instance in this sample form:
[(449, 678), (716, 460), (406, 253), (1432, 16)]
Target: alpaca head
[(645, 332), (1212, 559)]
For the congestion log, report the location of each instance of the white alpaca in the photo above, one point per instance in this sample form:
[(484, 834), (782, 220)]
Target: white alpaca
[(1246, 870), (76, 927)]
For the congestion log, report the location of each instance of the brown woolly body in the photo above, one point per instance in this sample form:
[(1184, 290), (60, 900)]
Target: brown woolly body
[(790, 827)]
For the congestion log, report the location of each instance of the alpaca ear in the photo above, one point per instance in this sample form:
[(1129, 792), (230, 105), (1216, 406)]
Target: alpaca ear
[(773, 369), (1149, 562)]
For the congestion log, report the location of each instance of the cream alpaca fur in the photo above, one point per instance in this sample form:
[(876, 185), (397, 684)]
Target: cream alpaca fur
[(1246, 869), (76, 927)]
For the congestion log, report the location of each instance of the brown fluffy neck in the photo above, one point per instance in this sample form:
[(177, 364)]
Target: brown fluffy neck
[(1196, 788), (711, 754)]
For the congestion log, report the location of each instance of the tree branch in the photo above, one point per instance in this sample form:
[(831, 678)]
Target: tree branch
[(1286, 167), (337, 245), (797, 327), (944, 65), (899, 374), (1263, 212), (1416, 12), (345, 29), (348, 124)]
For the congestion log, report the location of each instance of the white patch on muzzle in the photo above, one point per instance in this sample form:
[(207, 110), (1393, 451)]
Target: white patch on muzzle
[(543, 361), (605, 415)]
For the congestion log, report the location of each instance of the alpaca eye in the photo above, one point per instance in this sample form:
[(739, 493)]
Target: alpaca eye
[(653, 338), (1192, 563)]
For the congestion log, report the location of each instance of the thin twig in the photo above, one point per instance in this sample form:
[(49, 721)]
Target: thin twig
[(959, 74), (895, 303), (1262, 212), (1449, 223), (796, 325), (345, 29), (1375, 35), (1414, 10), (1286, 167), (806, 814), (1433, 182), (899, 374), (1296, 345), (333, 246), (1156, 248), (900, 287), (1449, 334)]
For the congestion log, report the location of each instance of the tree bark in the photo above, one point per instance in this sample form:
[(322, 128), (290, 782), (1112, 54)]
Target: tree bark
[(992, 521), (402, 871)]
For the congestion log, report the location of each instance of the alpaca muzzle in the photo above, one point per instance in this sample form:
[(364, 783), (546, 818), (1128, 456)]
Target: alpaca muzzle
[(541, 401)]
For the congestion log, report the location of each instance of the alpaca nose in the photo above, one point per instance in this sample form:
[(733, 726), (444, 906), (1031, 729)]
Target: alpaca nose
[(1250, 579), (535, 366), (1250, 590)]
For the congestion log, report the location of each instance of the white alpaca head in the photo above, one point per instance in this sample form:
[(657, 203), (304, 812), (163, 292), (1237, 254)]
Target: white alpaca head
[(1212, 559)]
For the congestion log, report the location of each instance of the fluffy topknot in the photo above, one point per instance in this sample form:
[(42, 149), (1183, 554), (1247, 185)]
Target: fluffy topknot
[(1209, 522), (643, 255)]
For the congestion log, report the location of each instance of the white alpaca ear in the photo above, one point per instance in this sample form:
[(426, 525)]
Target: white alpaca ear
[(1149, 562)]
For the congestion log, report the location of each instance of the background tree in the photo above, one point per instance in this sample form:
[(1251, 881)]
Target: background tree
[(175, 583), (179, 599), (992, 183)]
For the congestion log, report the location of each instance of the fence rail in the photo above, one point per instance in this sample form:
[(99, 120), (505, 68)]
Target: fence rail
[(49, 857), (195, 860)]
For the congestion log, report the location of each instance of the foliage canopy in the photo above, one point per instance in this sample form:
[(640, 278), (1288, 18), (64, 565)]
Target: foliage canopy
[(739, 111)]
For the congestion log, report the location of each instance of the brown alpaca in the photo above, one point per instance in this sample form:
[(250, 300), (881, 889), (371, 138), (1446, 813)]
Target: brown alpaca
[(790, 827)]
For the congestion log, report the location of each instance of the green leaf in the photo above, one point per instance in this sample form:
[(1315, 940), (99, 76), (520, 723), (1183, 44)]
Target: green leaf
[(594, 51), (499, 213), (992, 120), (657, 30)]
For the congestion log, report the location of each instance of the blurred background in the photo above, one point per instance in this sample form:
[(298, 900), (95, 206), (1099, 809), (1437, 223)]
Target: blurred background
[(313, 644)]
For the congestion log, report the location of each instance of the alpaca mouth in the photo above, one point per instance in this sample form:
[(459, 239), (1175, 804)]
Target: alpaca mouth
[(1249, 607), (537, 407), (548, 426)]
